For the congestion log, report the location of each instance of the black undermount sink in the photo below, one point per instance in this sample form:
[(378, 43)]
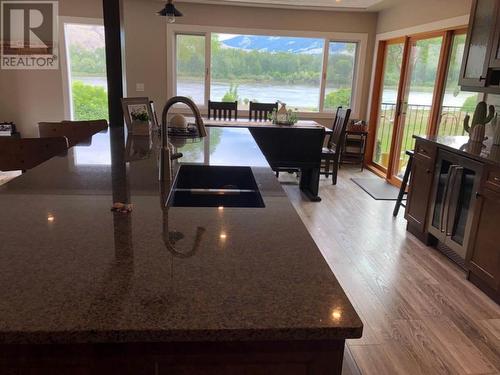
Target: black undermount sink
[(215, 186)]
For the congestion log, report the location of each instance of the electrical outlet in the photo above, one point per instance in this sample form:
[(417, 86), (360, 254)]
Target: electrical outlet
[(139, 87)]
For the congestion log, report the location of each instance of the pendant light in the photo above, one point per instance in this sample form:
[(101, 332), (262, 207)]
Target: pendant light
[(170, 12)]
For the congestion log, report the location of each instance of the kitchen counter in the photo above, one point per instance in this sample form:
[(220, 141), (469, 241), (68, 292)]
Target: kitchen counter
[(485, 152), (73, 272)]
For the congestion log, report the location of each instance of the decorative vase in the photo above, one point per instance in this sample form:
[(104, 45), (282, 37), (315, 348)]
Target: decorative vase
[(477, 133), (141, 127)]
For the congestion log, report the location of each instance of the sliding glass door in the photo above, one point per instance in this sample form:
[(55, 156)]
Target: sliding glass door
[(417, 98), (456, 103), (417, 93), (393, 60)]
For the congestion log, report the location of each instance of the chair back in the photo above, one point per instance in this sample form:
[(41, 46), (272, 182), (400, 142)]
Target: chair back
[(260, 111), (223, 110), (75, 131), (26, 153), (338, 130)]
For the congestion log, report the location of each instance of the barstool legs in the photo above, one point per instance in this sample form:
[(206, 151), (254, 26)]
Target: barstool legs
[(404, 184)]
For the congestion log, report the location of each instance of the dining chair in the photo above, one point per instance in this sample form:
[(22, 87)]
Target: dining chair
[(223, 110), (26, 153), (330, 154), (75, 131), (260, 111)]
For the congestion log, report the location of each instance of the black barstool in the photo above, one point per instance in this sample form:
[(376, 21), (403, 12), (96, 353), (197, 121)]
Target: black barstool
[(404, 184)]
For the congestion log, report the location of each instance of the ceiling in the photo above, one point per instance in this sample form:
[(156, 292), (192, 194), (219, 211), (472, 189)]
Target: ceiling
[(360, 5)]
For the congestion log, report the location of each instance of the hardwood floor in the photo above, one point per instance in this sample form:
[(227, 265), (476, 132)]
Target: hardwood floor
[(421, 315)]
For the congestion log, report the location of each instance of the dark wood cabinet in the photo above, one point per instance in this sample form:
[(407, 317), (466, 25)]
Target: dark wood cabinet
[(454, 203), (420, 186), (483, 260), (481, 61)]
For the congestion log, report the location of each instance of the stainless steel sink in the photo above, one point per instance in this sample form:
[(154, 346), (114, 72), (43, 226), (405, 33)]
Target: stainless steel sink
[(215, 186)]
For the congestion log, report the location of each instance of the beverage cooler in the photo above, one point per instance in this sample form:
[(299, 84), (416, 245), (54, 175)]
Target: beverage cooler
[(456, 183)]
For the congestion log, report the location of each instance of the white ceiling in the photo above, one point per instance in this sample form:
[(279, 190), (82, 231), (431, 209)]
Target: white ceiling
[(369, 5)]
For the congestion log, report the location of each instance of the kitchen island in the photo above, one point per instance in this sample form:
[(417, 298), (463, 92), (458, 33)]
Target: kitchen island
[(161, 289)]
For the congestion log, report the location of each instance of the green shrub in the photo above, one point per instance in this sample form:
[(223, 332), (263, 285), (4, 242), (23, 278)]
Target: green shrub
[(470, 104), (231, 95), (341, 97), (89, 102)]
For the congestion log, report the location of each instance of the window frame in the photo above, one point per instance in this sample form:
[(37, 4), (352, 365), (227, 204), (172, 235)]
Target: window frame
[(361, 39), (65, 60)]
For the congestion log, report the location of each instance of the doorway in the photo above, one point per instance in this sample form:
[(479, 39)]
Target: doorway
[(416, 92)]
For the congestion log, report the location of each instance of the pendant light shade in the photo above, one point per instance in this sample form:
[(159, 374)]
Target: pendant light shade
[(170, 12)]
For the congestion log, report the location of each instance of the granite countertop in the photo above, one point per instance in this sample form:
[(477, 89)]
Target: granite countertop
[(72, 271), (485, 152)]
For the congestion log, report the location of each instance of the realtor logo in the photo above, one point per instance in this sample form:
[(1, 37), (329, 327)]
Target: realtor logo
[(29, 37)]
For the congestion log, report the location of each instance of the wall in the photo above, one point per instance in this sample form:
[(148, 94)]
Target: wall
[(27, 97), (410, 13), (30, 96), (145, 34)]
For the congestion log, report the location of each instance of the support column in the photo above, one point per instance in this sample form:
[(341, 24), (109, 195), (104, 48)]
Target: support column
[(112, 11)]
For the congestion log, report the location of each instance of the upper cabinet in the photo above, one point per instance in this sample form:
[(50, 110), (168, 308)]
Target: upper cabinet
[(481, 63)]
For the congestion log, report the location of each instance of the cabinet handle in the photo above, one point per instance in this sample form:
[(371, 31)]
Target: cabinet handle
[(482, 78), (497, 179), (427, 171), (454, 191), (444, 205)]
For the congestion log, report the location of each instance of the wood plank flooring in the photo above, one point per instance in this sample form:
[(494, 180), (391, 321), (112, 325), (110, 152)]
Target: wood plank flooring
[(421, 315)]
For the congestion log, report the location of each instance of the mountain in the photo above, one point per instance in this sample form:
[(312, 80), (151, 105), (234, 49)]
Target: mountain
[(276, 44)]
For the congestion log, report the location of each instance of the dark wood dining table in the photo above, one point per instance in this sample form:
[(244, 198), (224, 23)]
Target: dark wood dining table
[(287, 147)]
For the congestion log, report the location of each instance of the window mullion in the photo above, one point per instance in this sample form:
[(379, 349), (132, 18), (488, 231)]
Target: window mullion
[(326, 48)]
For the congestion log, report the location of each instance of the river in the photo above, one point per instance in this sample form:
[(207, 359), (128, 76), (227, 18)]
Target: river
[(300, 96)]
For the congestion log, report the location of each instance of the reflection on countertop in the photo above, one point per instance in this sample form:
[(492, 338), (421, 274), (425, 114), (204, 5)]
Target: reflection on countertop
[(72, 271)]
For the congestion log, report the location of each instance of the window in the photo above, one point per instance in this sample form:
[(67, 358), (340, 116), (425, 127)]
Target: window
[(309, 74), (456, 103), (340, 74), (191, 67), (86, 71), (265, 69)]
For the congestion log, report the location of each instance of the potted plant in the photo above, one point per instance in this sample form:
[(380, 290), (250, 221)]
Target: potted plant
[(140, 121), (283, 116)]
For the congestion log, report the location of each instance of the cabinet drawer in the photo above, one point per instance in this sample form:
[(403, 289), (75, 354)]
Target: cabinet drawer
[(493, 179), (425, 150)]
